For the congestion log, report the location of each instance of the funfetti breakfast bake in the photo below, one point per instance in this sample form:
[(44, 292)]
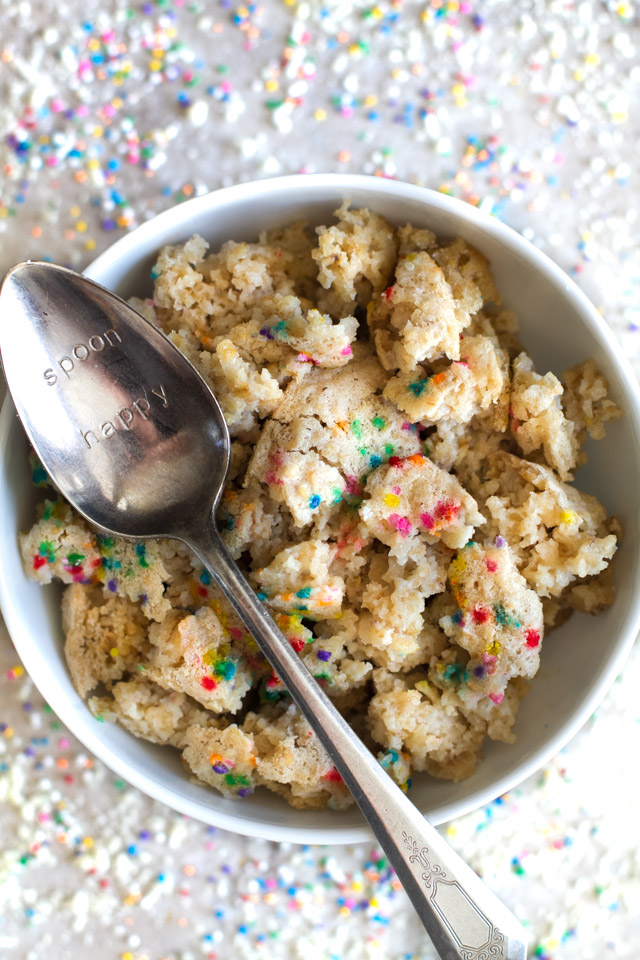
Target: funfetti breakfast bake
[(400, 497)]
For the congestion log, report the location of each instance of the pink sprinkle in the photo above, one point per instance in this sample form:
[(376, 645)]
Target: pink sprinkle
[(407, 426), (427, 520), (396, 490), (346, 352), (491, 565), (496, 697), (353, 486), (271, 478), (401, 524), (63, 743), (304, 358)]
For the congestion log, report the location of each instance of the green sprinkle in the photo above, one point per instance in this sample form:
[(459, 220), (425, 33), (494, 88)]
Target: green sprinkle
[(75, 559), (378, 422), (47, 551), (226, 669), (141, 551), (40, 477), (356, 428), (504, 618), (280, 330), (337, 495), (389, 449)]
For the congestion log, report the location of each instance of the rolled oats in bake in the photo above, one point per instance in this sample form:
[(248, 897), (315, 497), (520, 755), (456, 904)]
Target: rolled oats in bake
[(399, 497)]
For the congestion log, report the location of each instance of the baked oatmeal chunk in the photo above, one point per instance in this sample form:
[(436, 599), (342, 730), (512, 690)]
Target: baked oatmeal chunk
[(412, 498), (291, 761), (106, 636), (557, 533), (150, 711), (456, 392), (497, 620), (193, 654), (224, 759), (356, 255)]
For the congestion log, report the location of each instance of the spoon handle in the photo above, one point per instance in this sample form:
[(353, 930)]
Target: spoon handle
[(464, 919)]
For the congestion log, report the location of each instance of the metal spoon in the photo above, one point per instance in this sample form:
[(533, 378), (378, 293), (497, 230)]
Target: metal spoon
[(136, 442)]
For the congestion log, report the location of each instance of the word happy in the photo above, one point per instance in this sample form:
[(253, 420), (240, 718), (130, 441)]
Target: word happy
[(124, 418)]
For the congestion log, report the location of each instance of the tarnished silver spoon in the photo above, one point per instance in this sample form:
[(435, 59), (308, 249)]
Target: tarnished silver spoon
[(136, 442)]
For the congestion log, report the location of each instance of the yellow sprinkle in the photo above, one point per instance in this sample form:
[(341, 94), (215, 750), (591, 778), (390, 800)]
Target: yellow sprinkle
[(87, 841), (458, 564), (452, 831), (272, 85), (113, 652), (9, 732), (320, 115), (90, 244), (493, 649), (81, 226), (373, 902), (423, 685), (18, 671), (568, 516), (155, 65), (391, 500)]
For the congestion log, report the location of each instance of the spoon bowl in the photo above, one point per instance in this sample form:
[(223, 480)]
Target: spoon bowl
[(135, 441)]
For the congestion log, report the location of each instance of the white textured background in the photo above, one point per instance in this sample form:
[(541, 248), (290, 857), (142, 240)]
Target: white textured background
[(111, 112)]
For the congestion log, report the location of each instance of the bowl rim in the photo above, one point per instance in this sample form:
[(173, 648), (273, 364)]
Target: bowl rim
[(627, 382)]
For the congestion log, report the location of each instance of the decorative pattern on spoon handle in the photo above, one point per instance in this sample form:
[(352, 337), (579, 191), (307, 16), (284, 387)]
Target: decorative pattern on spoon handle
[(433, 873)]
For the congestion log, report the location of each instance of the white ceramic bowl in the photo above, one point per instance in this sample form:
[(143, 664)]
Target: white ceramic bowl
[(559, 328)]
